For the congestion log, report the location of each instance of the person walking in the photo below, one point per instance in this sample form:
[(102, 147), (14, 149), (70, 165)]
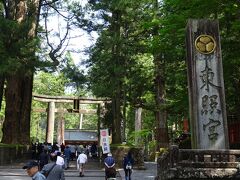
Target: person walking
[(110, 171), (93, 150), (67, 156), (62, 147), (43, 159), (73, 152), (60, 159), (127, 165), (32, 170), (79, 149), (81, 160), (53, 171)]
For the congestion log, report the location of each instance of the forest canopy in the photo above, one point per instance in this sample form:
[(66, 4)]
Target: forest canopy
[(138, 61)]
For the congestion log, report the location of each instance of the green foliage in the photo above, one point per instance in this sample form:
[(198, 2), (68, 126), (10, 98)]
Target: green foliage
[(56, 85), (38, 124), (49, 84), (45, 84), (136, 43), (90, 121), (121, 63), (76, 77), (177, 13), (130, 33), (17, 49)]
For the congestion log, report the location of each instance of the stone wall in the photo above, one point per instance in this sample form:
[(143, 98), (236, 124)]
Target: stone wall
[(198, 164), (9, 155), (137, 153)]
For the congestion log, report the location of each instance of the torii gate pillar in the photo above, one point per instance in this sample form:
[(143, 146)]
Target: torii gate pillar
[(50, 122)]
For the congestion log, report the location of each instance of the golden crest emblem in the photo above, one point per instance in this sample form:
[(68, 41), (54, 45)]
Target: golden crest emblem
[(205, 44)]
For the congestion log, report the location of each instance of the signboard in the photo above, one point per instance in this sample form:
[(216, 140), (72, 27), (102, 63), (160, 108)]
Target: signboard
[(104, 141)]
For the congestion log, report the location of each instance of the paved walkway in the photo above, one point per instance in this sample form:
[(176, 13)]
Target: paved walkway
[(94, 171), (149, 173)]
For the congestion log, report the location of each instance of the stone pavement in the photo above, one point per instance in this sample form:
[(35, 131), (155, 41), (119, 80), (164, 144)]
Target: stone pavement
[(94, 171), (149, 173)]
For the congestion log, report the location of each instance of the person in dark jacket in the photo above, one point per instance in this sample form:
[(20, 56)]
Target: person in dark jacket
[(43, 159), (67, 156), (128, 165), (110, 171), (53, 171)]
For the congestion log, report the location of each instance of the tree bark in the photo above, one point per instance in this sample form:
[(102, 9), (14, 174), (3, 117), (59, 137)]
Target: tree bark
[(16, 127), (116, 130), (124, 117), (11, 123), (138, 123), (161, 130), (2, 80), (117, 115)]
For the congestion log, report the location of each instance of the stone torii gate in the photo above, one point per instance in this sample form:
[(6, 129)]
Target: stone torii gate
[(76, 101)]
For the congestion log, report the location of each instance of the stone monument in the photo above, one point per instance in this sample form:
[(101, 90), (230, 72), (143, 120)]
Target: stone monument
[(205, 85)]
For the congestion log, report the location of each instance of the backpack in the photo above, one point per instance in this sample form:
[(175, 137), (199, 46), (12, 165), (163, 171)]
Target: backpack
[(129, 165), (48, 172)]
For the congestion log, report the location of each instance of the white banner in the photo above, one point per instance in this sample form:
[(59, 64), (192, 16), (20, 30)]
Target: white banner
[(105, 141)]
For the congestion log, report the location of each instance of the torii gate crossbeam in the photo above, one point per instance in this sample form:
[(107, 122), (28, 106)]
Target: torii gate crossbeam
[(51, 100)]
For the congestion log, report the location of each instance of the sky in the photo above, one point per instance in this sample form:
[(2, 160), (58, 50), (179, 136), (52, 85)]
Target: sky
[(81, 43), (79, 39)]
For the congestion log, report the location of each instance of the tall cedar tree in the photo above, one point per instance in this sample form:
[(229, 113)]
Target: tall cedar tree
[(20, 47)]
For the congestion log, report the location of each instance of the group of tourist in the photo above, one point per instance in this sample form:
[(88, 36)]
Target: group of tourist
[(54, 170), (38, 148), (52, 162)]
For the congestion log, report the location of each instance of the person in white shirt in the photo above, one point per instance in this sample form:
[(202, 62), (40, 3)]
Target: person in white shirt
[(60, 159), (81, 160)]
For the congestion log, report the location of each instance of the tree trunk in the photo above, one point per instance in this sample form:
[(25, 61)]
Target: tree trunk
[(116, 130), (117, 115), (11, 123), (16, 127), (2, 80), (138, 123), (161, 131), (160, 113), (27, 86), (124, 117)]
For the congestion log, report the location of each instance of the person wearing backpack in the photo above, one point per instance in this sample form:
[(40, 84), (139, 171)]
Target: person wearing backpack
[(53, 171), (128, 165)]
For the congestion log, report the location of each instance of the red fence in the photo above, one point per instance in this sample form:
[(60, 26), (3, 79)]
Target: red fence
[(233, 130)]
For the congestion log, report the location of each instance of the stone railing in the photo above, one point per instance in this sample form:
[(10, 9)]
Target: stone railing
[(166, 163), (12, 154), (137, 153), (197, 163)]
